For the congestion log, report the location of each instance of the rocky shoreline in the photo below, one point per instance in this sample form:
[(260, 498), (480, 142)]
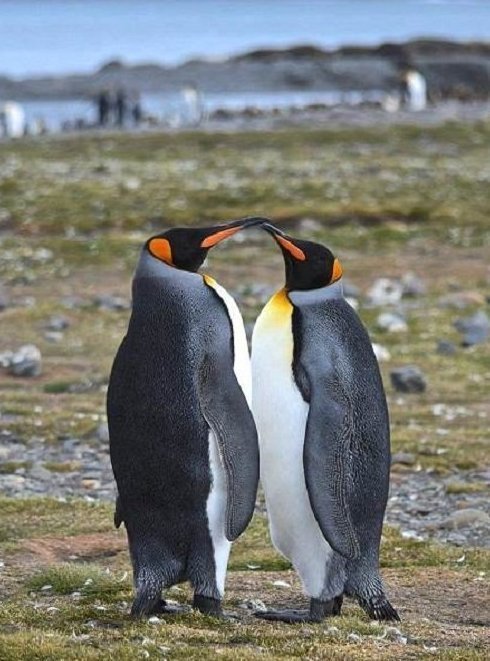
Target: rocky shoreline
[(452, 70)]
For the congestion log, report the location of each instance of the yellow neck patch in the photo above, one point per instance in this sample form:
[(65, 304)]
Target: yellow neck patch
[(278, 310)]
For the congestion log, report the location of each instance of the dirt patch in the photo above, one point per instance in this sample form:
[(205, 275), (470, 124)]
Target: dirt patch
[(87, 548)]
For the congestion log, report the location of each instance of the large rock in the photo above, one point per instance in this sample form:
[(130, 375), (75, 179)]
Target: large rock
[(475, 329), (408, 379), (26, 361)]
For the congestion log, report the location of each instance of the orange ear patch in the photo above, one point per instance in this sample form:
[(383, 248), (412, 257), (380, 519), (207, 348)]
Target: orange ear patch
[(337, 271), (215, 238), (161, 248), (296, 252)]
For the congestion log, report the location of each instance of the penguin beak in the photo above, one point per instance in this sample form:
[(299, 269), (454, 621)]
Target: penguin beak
[(221, 232), (286, 244)]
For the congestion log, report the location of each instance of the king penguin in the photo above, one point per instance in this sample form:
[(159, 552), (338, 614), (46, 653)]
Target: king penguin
[(183, 441), (322, 420)]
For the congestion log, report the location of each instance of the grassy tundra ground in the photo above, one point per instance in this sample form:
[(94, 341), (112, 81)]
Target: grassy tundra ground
[(73, 213)]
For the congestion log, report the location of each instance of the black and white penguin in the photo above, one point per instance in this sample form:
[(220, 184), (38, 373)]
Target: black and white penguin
[(183, 442), (322, 420)]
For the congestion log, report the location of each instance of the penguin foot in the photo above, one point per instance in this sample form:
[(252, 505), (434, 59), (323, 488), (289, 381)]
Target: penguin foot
[(164, 608), (208, 605), (319, 610)]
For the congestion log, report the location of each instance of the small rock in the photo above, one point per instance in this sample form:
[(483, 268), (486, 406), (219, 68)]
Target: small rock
[(395, 635), (154, 620), (446, 348), (385, 291), (412, 285), (53, 336), (391, 322), (57, 323), (108, 302), (26, 361), (90, 483), (461, 300), (255, 605), (281, 584), (131, 184), (409, 379), (382, 354), (73, 302), (466, 517), (354, 638), (102, 432), (4, 300), (475, 329), (40, 473), (406, 458)]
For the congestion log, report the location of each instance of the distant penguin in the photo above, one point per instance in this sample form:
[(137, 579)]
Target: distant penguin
[(322, 420), (416, 90), (183, 441)]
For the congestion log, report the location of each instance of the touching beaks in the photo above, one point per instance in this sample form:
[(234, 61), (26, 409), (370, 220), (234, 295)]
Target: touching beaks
[(285, 242), (222, 232)]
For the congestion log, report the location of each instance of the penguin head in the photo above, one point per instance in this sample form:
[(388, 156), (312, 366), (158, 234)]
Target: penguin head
[(309, 265), (186, 248)]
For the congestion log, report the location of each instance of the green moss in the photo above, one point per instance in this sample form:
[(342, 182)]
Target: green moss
[(88, 580), (12, 466)]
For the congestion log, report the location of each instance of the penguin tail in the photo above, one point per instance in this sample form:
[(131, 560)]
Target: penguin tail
[(379, 608)]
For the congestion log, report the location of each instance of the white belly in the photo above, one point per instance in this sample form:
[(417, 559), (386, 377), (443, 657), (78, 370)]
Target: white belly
[(280, 414), (217, 499)]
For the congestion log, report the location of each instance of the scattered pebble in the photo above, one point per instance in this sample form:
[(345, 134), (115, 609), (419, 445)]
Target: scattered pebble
[(4, 300), (409, 379), (395, 635), (57, 322), (475, 329), (281, 584), (412, 285), (466, 517), (392, 322), (406, 458), (254, 605), (26, 361), (385, 291), (108, 302), (102, 432), (446, 348), (53, 336), (354, 638), (461, 300)]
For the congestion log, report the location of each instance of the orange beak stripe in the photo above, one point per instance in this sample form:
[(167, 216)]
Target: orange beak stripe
[(296, 252), (161, 248), (337, 271), (213, 239)]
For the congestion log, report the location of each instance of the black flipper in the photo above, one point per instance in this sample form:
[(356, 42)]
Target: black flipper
[(326, 458), (226, 411)]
